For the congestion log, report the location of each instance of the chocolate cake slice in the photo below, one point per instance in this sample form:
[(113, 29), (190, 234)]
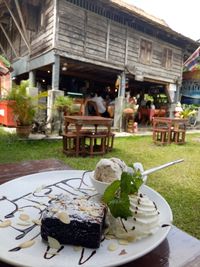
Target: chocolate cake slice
[(75, 221)]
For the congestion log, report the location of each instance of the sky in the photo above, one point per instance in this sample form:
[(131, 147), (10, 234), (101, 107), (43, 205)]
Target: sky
[(181, 16)]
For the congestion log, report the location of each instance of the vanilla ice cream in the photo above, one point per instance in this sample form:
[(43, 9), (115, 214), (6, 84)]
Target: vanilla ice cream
[(108, 170), (145, 219)]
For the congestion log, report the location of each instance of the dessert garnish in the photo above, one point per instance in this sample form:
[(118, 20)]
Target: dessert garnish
[(116, 195)]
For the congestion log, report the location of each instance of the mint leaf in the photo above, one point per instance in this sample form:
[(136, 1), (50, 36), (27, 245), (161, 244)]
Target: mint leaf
[(119, 207), (110, 191), (116, 196)]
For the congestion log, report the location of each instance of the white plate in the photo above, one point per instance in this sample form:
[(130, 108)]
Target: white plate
[(20, 198)]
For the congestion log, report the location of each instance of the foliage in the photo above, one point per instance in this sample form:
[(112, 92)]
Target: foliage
[(116, 195), (63, 103), (188, 111), (5, 61), (24, 106)]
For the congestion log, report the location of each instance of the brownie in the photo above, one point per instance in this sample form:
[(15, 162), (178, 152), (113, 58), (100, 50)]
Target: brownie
[(75, 221)]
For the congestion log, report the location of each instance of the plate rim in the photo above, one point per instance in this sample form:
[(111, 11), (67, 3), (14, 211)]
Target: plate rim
[(125, 260)]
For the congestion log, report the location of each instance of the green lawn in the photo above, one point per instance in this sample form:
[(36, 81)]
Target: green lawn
[(178, 184)]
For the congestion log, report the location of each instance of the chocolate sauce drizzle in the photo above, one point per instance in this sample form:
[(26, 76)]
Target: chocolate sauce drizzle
[(34, 198), (81, 261), (48, 255)]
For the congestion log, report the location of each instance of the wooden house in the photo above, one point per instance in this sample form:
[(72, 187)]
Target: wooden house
[(5, 76), (73, 45)]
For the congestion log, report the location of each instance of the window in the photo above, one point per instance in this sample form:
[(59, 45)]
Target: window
[(145, 51), (167, 58)]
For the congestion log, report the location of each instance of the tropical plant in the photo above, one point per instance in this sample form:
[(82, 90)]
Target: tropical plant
[(187, 112), (63, 103), (23, 105)]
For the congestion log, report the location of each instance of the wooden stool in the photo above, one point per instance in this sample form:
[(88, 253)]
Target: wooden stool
[(160, 136), (97, 144), (179, 136), (109, 140), (69, 143)]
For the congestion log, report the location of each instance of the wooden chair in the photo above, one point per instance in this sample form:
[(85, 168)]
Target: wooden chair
[(161, 133), (109, 140), (69, 143), (178, 134), (97, 144), (77, 106), (92, 109), (161, 136)]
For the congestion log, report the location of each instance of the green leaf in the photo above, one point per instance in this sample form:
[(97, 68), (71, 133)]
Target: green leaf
[(110, 191), (119, 207)]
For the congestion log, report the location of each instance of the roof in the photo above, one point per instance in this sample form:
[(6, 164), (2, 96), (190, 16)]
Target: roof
[(150, 19), (139, 11)]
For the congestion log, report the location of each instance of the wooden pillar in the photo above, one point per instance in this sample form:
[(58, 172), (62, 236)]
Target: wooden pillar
[(119, 103), (56, 73)]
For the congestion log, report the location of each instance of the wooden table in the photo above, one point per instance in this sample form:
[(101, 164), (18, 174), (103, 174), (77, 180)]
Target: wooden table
[(80, 121), (177, 250), (172, 125)]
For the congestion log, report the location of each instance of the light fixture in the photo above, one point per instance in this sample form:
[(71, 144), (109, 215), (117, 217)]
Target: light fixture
[(64, 67), (48, 71)]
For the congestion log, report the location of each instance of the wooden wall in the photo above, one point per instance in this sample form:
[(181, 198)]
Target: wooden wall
[(84, 33), (40, 41), (43, 40)]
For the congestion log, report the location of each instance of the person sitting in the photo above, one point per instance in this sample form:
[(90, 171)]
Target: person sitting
[(100, 103)]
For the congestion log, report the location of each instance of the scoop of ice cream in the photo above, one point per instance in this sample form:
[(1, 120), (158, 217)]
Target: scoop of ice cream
[(145, 219), (108, 170)]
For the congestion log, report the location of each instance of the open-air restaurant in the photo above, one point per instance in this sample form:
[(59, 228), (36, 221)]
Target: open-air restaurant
[(97, 168)]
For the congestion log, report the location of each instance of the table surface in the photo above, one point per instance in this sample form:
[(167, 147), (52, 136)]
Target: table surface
[(88, 120), (169, 120), (177, 250)]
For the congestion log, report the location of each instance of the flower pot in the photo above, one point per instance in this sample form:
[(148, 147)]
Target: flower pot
[(6, 113), (23, 131)]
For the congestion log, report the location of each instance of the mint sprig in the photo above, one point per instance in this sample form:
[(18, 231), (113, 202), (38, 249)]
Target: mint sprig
[(116, 195)]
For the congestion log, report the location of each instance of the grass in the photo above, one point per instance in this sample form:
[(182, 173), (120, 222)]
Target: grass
[(178, 184)]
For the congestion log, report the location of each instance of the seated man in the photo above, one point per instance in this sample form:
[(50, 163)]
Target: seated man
[(100, 103)]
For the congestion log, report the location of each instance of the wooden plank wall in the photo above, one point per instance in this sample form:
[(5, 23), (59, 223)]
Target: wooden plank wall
[(43, 40), (85, 33), (40, 41)]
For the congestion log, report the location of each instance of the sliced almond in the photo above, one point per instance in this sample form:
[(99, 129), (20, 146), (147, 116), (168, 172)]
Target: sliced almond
[(5, 223), (109, 237), (38, 222), (24, 217), (53, 243), (94, 213), (123, 242), (112, 246), (24, 223), (27, 244), (63, 217)]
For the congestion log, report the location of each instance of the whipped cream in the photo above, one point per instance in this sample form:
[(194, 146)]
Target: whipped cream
[(144, 222), (109, 170)]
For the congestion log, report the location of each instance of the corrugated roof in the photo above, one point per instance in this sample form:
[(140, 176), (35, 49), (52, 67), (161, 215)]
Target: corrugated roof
[(139, 11)]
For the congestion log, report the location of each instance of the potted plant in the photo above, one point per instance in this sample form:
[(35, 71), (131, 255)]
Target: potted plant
[(63, 104), (24, 107)]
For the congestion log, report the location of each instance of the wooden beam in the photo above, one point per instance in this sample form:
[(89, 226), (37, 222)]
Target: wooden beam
[(55, 24), (2, 49), (9, 41), (22, 21), (108, 40), (17, 25)]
